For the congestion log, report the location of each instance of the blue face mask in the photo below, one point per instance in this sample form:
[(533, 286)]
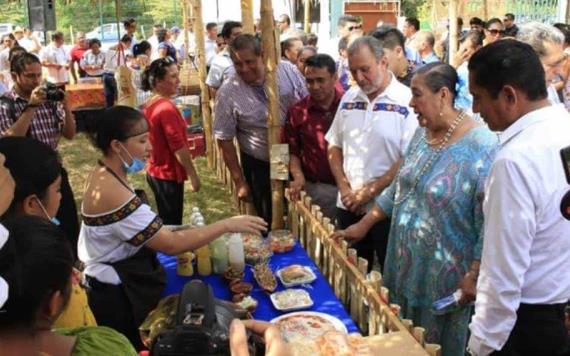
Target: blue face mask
[(136, 165), (53, 220)]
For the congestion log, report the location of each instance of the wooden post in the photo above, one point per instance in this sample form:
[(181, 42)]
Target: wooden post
[(307, 17), (485, 10), (273, 120), (247, 16), (118, 18), (205, 98), (452, 47)]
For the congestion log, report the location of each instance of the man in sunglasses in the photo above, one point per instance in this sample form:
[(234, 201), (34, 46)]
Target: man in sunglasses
[(511, 28), (347, 24), (548, 43)]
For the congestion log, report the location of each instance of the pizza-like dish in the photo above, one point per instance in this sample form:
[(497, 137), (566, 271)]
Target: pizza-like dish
[(306, 326)]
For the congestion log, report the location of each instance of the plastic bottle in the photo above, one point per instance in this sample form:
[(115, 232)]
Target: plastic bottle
[(203, 255), (219, 249), (184, 261), (236, 254)]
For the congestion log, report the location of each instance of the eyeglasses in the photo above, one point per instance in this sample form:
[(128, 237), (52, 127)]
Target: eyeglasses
[(355, 27)]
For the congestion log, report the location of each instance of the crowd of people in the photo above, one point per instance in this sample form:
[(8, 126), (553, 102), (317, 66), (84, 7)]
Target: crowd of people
[(446, 176)]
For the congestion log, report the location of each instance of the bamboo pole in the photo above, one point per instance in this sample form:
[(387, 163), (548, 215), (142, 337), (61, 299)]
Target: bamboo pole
[(205, 99), (247, 16), (485, 10), (273, 120), (307, 16), (452, 47), (118, 18)]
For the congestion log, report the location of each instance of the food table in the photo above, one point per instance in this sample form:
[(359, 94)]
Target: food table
[(324, 299)]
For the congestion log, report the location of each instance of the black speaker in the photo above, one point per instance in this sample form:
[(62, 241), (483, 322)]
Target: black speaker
[(41, 14)]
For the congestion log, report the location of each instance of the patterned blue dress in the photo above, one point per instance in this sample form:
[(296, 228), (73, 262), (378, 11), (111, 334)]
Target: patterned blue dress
[(436, 232)]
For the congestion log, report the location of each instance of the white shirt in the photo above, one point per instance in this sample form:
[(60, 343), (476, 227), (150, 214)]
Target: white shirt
[(27, 43), (552, 95), (222, 66), (179, 44), (4, 62), (372, 135), (111, 240), (91, 59), (210, 49), (53, 55), (113, 59), (153, 40), (526, 253)]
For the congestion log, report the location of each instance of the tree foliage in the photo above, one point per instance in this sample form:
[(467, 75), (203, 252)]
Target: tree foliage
[(411, 7)]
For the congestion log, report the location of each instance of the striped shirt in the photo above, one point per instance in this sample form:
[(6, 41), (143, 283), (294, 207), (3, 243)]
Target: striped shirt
[(241, 109), (46, 124)]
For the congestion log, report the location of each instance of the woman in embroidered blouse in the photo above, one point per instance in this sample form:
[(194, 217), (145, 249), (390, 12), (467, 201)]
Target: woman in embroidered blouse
[(435, 204), (36, 266), (93, 59), (120, 232)]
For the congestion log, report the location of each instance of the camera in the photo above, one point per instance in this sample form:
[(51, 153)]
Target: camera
[(565, 203), (202, 325), (53, 92)]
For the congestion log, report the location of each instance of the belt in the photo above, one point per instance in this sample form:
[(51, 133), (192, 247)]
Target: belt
[(549, 308)]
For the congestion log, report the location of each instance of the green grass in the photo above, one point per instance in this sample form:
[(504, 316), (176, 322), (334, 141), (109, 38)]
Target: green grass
[(215, 202)]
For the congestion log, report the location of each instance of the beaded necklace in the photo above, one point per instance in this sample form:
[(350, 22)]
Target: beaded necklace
[(442, 143)]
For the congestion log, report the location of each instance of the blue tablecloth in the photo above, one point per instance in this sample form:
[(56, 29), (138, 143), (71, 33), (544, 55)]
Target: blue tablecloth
[(325, 301)]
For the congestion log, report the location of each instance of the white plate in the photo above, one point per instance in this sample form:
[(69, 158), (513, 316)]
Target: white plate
[(310, 279), (274, 296), (335, 324)]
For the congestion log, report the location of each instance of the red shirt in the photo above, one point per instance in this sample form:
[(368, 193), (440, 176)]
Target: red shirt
[(167, 133), (76, 54), (305, 130)]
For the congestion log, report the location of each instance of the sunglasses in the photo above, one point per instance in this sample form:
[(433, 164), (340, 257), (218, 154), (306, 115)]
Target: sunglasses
[(495, 32), (356, 27)]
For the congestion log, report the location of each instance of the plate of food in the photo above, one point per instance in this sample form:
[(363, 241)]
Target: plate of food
[(332, 343), (264, 277), (291, 299), (295, 275), (307, 325)]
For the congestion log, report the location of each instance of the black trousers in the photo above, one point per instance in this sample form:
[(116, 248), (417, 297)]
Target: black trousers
[(539, 331), (169, 196), (110, 89), (376, 240), (112, 308), (256, 173), (67, 213)]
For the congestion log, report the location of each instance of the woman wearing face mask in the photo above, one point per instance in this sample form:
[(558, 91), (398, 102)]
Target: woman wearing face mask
[(170, 162), (38, 194), (35, 286), (120, 233)]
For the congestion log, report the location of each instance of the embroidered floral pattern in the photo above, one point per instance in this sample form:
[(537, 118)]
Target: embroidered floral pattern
[(115, 216), (147, 233)]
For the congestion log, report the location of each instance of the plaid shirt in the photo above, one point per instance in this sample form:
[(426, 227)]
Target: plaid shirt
[(46, 124)]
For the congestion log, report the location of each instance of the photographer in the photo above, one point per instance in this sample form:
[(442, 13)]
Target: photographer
[(41, 112)]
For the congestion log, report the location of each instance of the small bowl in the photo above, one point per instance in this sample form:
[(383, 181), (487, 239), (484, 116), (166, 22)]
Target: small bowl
[(230, 275), (241, 288)]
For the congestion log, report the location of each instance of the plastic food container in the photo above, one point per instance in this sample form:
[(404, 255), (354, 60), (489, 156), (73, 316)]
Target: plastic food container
[(281, 241), (291, 299), (308, 278)]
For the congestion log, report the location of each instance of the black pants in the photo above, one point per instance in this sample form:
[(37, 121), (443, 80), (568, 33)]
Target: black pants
[(112, 308), (376, 240), (110, 89), (256, 174), (539, 331), (67, 213), (169, 196)]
